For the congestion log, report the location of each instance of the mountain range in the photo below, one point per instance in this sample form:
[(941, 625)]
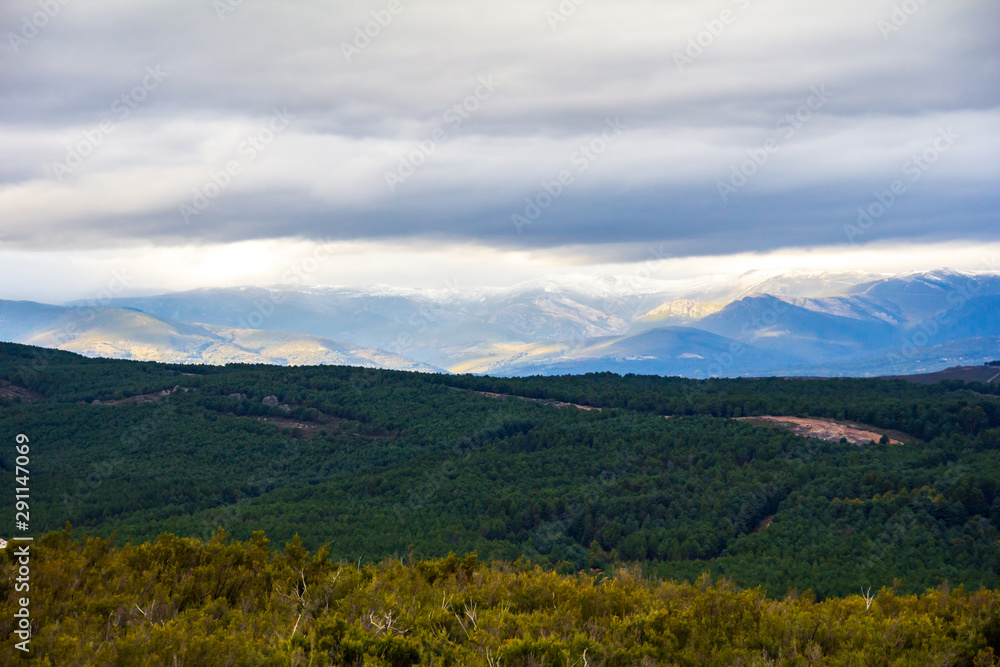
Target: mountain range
[(125, 333), (758, 323)]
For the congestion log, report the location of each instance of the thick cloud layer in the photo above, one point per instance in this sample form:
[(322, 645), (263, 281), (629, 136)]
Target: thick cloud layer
[(707, 127)]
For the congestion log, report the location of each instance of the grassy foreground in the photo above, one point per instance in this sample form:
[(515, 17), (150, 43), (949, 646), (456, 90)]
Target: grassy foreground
[(180, 601)]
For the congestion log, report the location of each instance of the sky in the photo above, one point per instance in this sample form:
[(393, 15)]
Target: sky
[(160, 146)]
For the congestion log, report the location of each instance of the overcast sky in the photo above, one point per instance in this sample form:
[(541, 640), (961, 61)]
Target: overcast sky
[(217, 143)]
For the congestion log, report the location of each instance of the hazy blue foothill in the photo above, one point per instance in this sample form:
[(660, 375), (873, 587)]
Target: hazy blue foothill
[(760, 324)]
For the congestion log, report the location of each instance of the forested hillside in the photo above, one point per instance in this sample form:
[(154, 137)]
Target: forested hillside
[(378, 463)]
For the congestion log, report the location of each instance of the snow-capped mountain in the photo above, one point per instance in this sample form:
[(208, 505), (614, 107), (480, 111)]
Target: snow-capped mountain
[(779, 321)]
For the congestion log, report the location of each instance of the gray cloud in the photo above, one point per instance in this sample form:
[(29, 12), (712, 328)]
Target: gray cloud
[(325, 174)]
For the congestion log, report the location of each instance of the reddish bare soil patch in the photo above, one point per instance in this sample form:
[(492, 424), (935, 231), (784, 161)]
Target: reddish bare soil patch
[(820, 428), (12, 392)]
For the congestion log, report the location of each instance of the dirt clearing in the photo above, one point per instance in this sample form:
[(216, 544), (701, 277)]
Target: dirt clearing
[(822, 429)]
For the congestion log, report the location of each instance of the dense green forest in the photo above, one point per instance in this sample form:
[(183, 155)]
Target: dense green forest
[(379, 463), (367, 465)]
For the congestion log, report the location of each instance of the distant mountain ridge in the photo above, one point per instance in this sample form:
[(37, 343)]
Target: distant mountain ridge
[(123, 333), (758, 323)]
